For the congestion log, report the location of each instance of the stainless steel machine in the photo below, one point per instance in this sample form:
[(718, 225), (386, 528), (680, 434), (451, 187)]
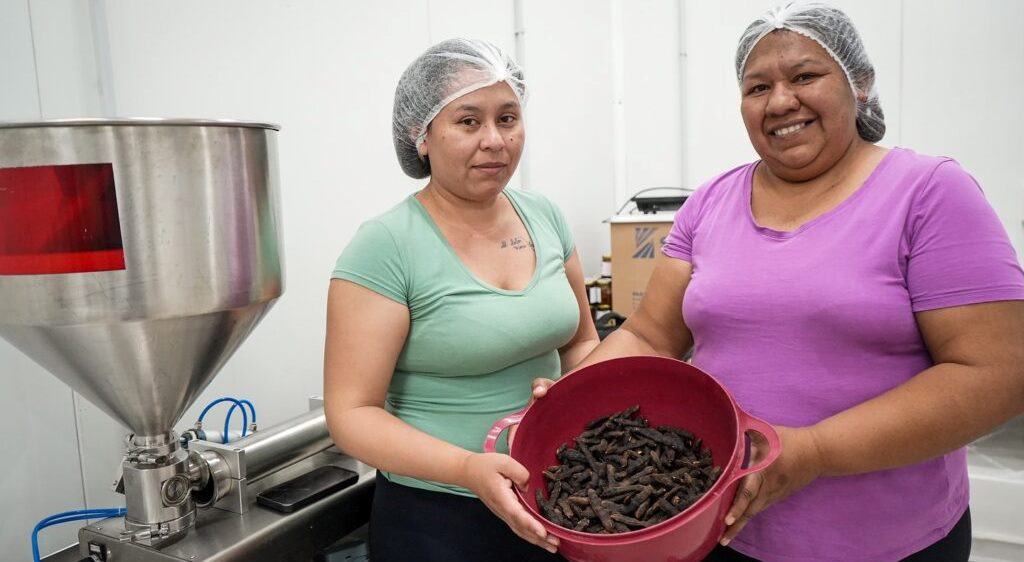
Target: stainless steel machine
[(135, 257)]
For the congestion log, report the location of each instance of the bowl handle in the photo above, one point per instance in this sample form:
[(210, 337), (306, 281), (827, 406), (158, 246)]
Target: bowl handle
[(748, 422), (499, 426)]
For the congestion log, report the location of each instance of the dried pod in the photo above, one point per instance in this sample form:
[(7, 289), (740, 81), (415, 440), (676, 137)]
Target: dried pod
[(621, 474)]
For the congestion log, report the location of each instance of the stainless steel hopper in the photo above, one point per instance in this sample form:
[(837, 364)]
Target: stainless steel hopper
[(135, 257)]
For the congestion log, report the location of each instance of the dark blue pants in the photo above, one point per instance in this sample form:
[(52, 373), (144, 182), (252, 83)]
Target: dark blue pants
[(409, 524)]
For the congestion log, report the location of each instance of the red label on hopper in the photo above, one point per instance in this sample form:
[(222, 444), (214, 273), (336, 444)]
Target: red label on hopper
[(59, 219)]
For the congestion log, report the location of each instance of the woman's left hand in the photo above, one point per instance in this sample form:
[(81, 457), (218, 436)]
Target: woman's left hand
[(539, 388), (798, 464)]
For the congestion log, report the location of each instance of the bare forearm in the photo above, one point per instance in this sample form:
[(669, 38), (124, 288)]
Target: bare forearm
[(620, 343), (572, 355), (379, 439), (939, 410)]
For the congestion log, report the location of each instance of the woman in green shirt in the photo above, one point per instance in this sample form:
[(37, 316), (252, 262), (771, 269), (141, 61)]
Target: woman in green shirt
[(441, 311)]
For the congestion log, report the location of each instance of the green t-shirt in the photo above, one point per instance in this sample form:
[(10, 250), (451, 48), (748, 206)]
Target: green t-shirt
[(472, 348)]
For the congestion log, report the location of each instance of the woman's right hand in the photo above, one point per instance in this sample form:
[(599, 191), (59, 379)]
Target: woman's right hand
[(491, 477)]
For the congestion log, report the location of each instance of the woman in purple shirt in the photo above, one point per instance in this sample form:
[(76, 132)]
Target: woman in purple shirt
[(866, 301)]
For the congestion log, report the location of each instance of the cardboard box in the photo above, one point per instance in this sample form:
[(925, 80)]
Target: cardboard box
[(636, 248)]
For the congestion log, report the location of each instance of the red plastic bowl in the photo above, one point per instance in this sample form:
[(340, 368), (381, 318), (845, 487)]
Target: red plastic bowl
[(669, 392)]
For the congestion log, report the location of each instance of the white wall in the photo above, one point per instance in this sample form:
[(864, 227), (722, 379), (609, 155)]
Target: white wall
[(625, 94), (605, 112)]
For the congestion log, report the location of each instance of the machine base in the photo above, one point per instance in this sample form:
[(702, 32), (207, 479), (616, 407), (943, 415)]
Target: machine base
[(258, 534)]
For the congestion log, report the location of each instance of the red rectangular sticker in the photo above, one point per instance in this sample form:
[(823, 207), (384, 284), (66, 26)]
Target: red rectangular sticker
[(59, 219)]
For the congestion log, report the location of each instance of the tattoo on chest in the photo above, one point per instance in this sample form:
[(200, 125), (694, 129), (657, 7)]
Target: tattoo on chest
[(516, 243)]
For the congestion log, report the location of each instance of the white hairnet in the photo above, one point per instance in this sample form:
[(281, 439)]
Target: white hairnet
[(834, 31), (446, 71)]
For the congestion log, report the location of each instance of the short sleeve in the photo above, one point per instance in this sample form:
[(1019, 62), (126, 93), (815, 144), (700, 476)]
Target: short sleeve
[(372, 260), (564, 232), (679, 242), (957, 251)]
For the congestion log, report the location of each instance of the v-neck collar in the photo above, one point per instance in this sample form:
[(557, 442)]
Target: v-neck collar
[(455, 256), (769, 232)]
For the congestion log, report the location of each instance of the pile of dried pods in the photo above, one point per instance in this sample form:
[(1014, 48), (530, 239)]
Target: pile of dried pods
[(624, 475)]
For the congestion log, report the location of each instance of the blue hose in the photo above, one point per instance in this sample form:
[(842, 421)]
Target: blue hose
[(75, 515), (235, 403), (251, 408), (218, 401), (245, 426)]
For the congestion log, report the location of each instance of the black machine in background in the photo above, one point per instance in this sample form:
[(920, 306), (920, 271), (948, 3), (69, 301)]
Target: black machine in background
[(666, 199)]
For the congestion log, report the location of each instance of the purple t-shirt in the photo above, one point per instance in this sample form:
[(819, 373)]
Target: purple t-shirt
[(801, 325)]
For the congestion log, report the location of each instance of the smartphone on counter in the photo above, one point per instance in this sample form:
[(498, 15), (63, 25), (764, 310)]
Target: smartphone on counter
[(307, 488)]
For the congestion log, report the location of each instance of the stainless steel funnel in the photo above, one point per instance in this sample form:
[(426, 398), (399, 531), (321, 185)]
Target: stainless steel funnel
[(136, 255)]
